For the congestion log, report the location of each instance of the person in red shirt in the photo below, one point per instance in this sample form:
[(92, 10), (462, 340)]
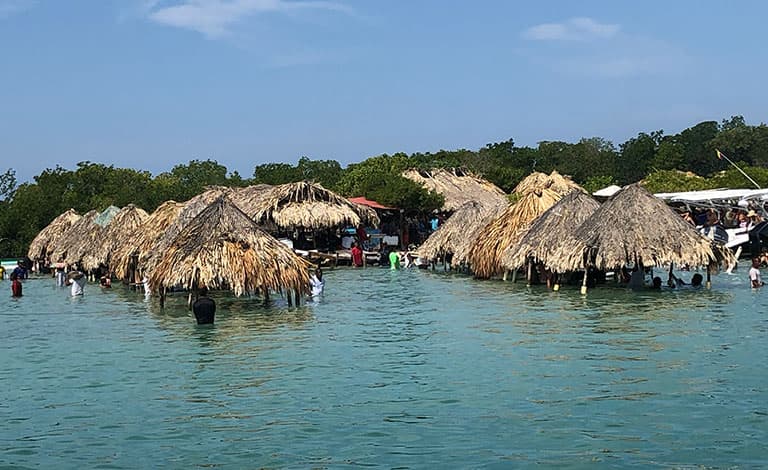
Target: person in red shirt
[(15, 286), (357, 256)]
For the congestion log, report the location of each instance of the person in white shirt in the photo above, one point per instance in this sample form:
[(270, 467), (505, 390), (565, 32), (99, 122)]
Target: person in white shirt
[(754, 274), (77, 280)]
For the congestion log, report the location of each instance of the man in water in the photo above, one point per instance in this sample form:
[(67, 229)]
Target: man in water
[(204, 308), (754, 274), (316, 282), (394, 260), (357, 256)]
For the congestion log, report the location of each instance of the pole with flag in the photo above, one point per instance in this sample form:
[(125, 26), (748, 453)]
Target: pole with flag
[(721, 156)]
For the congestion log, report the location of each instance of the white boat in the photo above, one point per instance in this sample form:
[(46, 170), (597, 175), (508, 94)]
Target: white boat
[(749, 241)]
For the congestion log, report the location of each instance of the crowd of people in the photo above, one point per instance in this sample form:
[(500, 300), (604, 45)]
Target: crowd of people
[(727, 217)]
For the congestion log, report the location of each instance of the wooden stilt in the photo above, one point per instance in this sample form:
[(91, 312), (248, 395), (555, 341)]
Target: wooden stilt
[(298, 298), (162, 297), (514, 276), (506, 272), (289, 299), (709, 278), (530, 273), (556, 278), (584, 281)]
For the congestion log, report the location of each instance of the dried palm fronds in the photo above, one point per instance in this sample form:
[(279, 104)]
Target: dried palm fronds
[(141, 240), (634, 223), (307, 205), (454, 236), (74, 243), (122, 228), (191, 209), (496, 237), (537, 181), (541, 238), (458, 187), (222, 248), (44, 242)]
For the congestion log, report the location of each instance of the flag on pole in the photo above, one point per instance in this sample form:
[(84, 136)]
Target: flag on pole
[(719, 154)]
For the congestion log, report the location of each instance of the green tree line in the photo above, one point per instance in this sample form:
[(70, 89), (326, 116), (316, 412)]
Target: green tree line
[(679, 162)]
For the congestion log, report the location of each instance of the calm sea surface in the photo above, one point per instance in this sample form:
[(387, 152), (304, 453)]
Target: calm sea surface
[(407, 369)]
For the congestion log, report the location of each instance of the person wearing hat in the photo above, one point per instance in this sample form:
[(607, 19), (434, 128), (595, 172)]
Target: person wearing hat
[(753, 217)]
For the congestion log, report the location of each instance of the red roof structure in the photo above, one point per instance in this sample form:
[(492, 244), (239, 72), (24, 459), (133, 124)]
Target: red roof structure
[(366, 202)]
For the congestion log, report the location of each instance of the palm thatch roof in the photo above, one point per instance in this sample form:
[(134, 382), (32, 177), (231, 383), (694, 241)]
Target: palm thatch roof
[(458, 187), (122, 228), (44, 242), (141, 240), (191, 209), (495, 238), (540, 239), (458, 230), (537, 181), (222, 248), (307, 205), (68, 247), (635, 223)]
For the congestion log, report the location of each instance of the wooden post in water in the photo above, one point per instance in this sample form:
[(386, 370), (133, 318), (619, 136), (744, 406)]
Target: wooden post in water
[(504, 278), (162, 297), (556, 287), (288, 298), (298, 298), (709, 278), (584, 281), (530, 272)]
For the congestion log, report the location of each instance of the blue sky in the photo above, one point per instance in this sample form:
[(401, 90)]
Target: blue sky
[(150, 84)]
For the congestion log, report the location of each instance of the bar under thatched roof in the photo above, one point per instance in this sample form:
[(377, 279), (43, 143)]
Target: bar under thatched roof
[(540, 239), (138, 243), (454, 236), (43, 244), (123, 228), (308, 205), (458, 187), (495, 238), (73, 243), (635, 223), (222, 248)]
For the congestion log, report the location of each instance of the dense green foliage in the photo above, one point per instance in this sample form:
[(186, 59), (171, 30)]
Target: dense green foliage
[(679, 162)]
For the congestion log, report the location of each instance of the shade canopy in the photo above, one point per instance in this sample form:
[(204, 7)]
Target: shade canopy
[(222, 248), (634, 223), (458, 187), (540, 240), (42, 245), (77, 240), (308, 205)]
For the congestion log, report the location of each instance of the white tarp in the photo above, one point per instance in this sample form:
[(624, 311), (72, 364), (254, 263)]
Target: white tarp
[(715, 195), (607, 191)]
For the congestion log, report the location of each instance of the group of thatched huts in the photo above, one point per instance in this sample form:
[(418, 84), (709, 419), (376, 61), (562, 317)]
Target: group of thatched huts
[(220, 239), (551, 225), (223, 238)]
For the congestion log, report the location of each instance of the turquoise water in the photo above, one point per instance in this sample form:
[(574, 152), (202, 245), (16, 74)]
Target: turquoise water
[(407, 369)]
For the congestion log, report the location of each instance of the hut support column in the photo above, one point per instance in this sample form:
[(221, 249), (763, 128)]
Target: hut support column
[(289, 299), (514, 276), (162, 297), (506, 272), (298, 298), (556, 277), (530, 272), (709, 278), (584, 281)]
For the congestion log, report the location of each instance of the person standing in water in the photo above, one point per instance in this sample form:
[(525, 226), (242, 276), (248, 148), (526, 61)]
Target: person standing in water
[(15, 286), (204, 308), (754, 274), (317, 283), (76, 279), (394, 260)]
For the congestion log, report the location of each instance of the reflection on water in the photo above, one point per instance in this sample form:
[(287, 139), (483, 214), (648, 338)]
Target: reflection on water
[(398, 369)]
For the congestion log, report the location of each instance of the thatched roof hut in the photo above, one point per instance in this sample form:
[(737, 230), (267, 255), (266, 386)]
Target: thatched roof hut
[(138, 243), (537, 181), (457, 232), (495, 238), (65, 248), (458, 187), (540, 239), (123, 228), (307, 205), (222, 248), (191, 209), (44, 242), (634, 223)]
